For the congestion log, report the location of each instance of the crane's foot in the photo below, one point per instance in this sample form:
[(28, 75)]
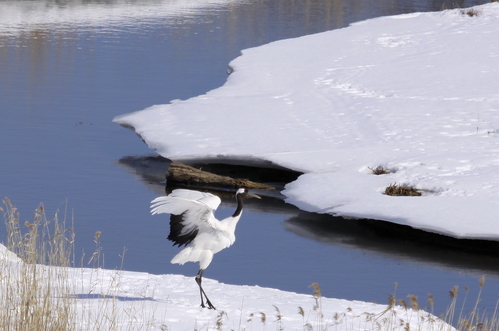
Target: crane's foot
[(210, 305)]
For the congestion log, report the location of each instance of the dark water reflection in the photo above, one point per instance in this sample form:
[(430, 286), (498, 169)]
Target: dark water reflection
[(68, 68)]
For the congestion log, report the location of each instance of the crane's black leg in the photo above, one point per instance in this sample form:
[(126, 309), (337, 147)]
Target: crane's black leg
[(199, 280)]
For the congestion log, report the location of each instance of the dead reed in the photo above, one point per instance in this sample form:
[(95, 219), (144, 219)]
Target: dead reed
[(34, 296), (39, 286)]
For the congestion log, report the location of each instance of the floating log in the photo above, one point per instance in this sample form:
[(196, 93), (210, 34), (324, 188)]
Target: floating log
[(182, 174)]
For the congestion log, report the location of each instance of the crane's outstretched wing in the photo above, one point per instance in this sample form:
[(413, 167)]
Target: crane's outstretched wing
[(191, 212)]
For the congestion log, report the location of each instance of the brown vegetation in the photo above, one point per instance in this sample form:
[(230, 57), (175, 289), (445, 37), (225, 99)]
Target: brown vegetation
[(396, 189), (471, 12), (380, 170)]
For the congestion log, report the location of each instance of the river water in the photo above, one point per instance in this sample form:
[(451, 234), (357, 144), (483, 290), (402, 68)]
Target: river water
[(68, 68)]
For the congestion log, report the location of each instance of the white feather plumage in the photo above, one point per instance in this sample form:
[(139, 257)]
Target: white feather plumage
[(196, 227)]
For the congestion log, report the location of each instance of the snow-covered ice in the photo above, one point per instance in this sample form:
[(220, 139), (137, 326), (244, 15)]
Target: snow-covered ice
[(416, 93)]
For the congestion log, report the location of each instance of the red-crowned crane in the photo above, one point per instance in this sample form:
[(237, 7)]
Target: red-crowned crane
[(193, 224)]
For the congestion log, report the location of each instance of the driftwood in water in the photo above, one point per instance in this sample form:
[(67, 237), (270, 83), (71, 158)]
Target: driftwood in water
[(179, 173)]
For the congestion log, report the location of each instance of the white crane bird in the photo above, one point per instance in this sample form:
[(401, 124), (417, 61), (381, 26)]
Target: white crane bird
[(193, 224)]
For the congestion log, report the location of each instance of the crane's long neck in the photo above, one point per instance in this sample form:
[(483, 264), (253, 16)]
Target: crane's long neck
[(231, 222), (239, 209)]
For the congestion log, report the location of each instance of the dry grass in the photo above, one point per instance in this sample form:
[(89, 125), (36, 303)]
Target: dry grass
[(33, 296), (41, 290), (412, 317), (471, 12), (396, 189), (380, 170)]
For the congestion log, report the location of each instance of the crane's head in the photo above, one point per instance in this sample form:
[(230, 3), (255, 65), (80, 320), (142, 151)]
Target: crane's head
[(246, 194)]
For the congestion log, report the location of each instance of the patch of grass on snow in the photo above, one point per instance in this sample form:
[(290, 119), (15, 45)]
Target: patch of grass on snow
[(471, 12), (395, 189), (380, 170)]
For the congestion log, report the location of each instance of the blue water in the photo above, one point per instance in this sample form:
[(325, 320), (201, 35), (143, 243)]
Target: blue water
[(62, 83)]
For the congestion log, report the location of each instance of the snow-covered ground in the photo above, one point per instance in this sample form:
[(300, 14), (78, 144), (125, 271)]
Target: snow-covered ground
[(416, 93), (121, 300)]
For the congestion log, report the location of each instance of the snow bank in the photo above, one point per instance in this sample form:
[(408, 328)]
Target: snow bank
[(171, 302), (120, 300), (416, 93)]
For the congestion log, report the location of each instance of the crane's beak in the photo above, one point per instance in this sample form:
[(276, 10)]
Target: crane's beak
[(252, 195)]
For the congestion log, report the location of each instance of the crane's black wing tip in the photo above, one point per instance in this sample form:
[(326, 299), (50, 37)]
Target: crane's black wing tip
[(176, 229)]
